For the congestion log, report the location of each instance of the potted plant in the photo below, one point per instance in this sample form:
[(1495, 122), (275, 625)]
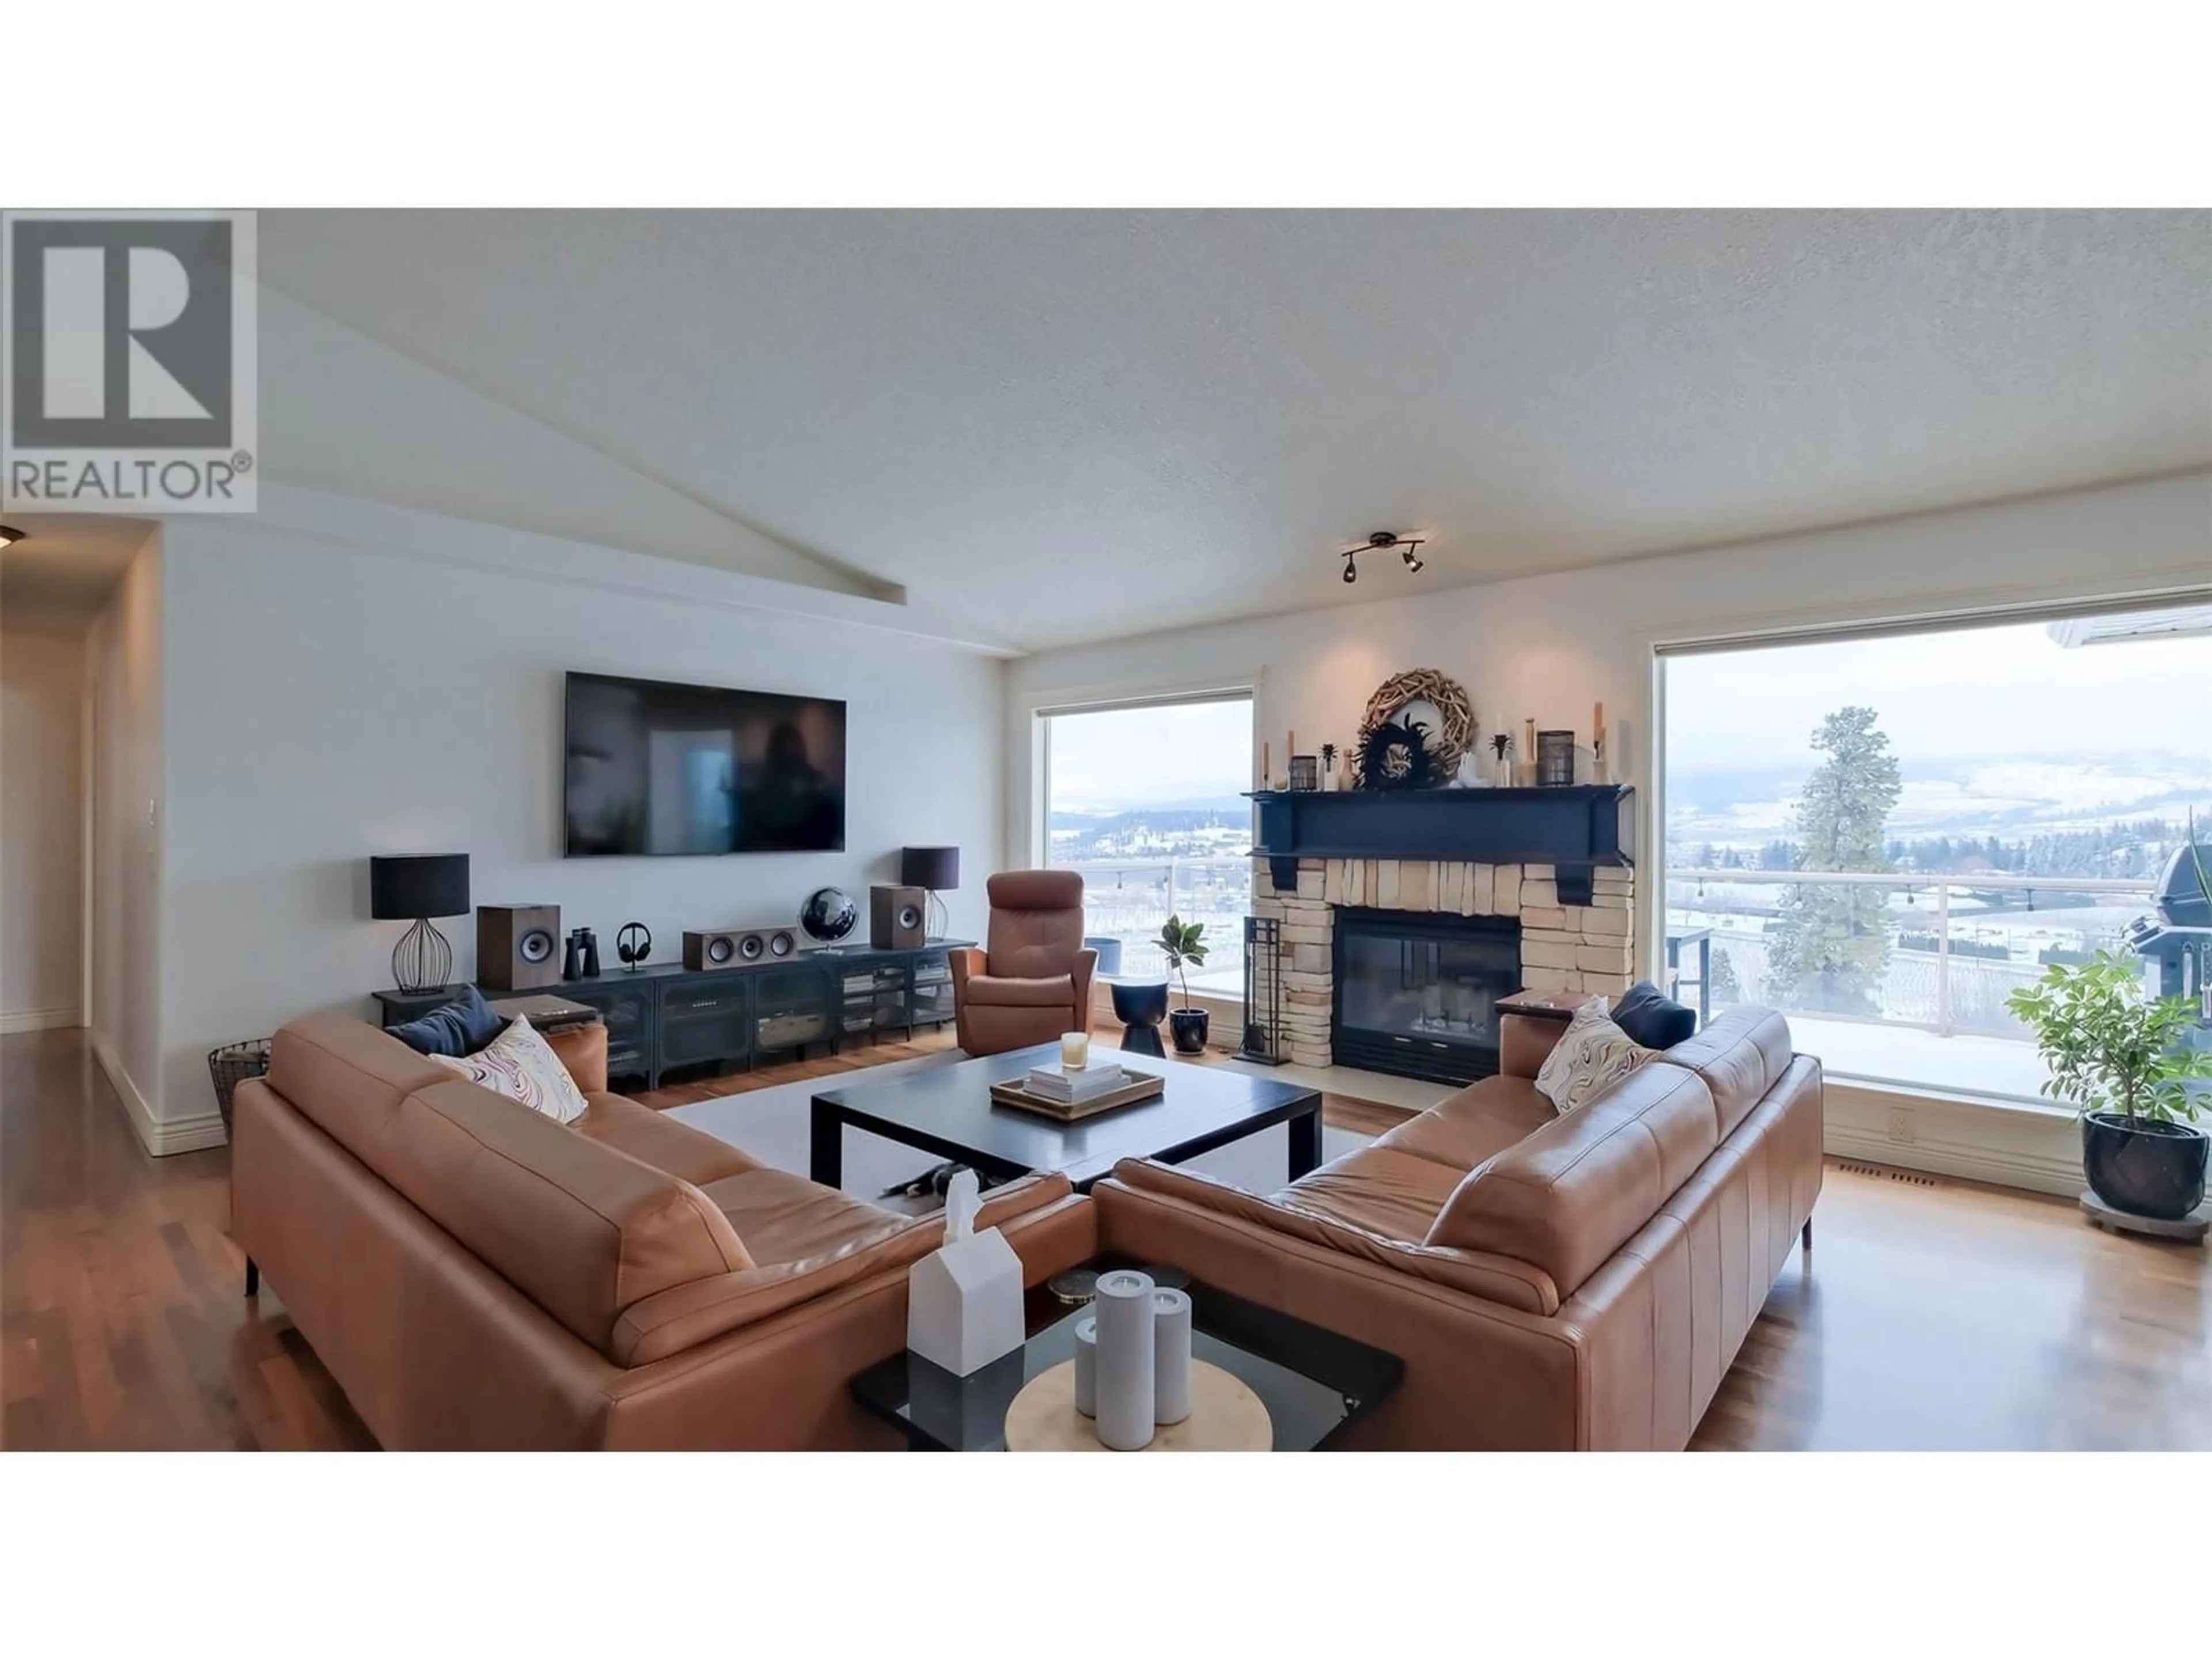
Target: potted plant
[(2123, 1058), (1183, 943)]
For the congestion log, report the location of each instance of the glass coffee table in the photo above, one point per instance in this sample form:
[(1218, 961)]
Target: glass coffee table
[(1315, 1383)]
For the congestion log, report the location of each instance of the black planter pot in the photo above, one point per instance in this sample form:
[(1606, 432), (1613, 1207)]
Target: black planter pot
[(2143, 1167), (1188, 1026)]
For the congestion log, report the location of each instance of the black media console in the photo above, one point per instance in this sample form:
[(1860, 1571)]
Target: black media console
[(667, 1015)]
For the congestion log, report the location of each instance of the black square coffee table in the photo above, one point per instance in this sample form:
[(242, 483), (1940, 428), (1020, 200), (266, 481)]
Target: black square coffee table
[(1315, 1383), (947, 1110)]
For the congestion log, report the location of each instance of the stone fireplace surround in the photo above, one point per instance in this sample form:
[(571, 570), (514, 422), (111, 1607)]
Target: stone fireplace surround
[(1564, 947)]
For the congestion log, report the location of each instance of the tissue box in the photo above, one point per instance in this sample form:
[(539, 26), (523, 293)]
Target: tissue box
[(963, 1306)]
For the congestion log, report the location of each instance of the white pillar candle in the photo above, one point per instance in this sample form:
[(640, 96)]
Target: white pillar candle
[(1074, 1050), (1124, 1388), (1171, 1357), (1086, 1367)]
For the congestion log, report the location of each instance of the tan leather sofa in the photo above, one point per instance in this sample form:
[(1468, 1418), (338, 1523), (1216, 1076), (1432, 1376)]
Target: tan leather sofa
[(1032, 981), (1551, 1283), (477, 1275)]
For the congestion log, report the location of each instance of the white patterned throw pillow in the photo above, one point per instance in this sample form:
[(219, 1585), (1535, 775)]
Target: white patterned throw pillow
[(522, 1065), (1593, 1056)]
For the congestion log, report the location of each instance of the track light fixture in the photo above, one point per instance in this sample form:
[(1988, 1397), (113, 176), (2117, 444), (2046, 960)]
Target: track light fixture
[(1378, 541)]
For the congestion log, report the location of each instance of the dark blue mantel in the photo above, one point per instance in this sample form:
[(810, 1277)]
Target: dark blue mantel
[(1574, 827)]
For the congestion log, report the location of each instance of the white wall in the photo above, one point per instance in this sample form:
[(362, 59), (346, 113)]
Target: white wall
[(123, 668), (327, 702), (41, 830)]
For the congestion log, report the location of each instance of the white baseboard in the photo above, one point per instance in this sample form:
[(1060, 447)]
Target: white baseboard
[(160, 1138), (38, 1019), (2034, 1148), (190, 1134)]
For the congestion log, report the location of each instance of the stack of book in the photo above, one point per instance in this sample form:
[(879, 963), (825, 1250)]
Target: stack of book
[(1072, 1088)]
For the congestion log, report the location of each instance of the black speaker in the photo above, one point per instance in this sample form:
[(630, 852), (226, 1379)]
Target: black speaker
[(895, 918), (518, 946)]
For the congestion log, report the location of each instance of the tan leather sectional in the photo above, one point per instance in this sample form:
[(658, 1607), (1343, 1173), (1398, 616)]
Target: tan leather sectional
[(1553, 1283), (477, 1275)]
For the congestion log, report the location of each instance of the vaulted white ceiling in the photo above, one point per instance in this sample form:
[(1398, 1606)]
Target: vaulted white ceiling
[(1079, 425)]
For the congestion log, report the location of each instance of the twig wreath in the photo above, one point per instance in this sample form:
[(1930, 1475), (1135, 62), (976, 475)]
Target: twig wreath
[(1392, 753)]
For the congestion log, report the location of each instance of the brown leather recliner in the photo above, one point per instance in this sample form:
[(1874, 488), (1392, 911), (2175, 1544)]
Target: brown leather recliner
[(1032, 983)]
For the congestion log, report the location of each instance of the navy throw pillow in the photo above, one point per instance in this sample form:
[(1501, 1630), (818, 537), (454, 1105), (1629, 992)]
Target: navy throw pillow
[(457, 1029), (1652, 1019)]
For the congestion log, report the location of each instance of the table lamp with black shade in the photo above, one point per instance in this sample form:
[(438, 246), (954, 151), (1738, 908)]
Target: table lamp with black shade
[(935, 870), (415, 889)]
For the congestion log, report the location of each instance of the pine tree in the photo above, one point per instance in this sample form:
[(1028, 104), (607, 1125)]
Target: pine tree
[(1727, 989), (1829, 950)]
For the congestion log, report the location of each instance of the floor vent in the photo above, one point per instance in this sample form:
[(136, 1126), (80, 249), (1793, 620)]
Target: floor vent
[(1881, 1172)]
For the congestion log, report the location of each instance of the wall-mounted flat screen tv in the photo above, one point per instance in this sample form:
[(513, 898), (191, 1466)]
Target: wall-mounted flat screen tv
[(656, 767)]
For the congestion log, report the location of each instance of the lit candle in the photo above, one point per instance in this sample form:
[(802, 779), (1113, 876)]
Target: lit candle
[(1074, 1051)]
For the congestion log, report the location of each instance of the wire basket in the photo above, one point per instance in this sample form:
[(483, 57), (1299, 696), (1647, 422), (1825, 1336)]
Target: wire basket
[(230, 1066)]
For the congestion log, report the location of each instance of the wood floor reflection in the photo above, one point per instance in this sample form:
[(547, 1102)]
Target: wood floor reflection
[(1927, 1316), (1937, 1315)]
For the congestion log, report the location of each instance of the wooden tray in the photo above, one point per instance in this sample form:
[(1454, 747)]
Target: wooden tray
[(1140, 1086), (1226, 1415)]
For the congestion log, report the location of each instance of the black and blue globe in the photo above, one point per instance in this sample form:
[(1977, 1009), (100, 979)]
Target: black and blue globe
[(829, 915)]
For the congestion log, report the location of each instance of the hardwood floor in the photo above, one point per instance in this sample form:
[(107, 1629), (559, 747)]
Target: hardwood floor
[(1939, 1315), (1928, 1316), (122, 1320)]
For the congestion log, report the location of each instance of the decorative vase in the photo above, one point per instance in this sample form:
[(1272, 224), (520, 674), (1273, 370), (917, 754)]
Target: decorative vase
[(2144, 1167), (1187, 1026), (1171, 1355), (1125, 1368), (1086, 1368)]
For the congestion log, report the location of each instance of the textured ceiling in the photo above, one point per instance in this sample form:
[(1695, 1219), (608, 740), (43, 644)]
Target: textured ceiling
[(1089, 424)]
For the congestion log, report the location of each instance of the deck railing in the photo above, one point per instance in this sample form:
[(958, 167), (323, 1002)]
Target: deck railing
[(1954, 945), (1128, 899)]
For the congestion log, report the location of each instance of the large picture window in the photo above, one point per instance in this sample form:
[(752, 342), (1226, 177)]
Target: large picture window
[(1883, 837), (1147, 802)]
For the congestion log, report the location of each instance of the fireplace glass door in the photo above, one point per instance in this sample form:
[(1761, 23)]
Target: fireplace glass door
[(1417, 995)]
